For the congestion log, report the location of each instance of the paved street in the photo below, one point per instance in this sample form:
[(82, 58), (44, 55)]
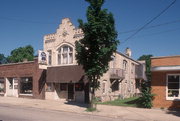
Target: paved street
[(17, 113), (23, 109)]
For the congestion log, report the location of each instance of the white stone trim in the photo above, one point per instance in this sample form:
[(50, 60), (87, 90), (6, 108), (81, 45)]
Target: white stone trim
[(171, 98), (165, 68), (21, 94)]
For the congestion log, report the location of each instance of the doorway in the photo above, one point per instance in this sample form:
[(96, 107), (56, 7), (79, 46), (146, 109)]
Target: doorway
[(70, 91), (12, 87)]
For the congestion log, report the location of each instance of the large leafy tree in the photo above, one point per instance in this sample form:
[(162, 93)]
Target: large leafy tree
[(21, 53), (94, 51), (2, 59)]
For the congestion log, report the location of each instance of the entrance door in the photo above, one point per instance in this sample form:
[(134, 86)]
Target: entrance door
[(12, 87), (70, 91)]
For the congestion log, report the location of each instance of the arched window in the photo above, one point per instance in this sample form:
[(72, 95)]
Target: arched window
[(65, 55)]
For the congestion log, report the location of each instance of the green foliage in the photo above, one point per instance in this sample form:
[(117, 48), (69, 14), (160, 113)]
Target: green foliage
[(21, 53), (130, 102), (90, 109), (146, 98), (147, 58), (3, 59), (94, 51)]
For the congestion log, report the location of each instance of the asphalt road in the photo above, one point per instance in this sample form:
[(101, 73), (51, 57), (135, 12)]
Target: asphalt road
[(17, 113)]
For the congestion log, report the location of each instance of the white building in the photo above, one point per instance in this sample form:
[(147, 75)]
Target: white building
[(66, 80)]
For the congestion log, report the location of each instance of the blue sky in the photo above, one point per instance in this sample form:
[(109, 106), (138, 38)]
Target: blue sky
[(24, 22)]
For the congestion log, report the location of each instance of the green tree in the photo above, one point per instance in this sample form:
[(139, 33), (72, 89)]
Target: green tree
[(21, 53), (3, 59), (146, 97), (94, 51)]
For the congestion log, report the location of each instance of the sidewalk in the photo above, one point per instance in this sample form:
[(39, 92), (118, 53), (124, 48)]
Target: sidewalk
[(126, 113)]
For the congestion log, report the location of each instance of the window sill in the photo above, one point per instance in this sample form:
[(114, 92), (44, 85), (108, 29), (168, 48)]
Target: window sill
[(173, 98), (49, 91), (26, 94), (62, 65)]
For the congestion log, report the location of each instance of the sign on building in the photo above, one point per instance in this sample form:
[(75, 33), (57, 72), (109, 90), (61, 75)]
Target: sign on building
[(42, 57)]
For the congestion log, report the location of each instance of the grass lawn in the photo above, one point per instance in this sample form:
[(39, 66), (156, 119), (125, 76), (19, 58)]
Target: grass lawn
[(131, 102)]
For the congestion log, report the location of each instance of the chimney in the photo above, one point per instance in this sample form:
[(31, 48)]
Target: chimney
[(25, 60), (128, 52)]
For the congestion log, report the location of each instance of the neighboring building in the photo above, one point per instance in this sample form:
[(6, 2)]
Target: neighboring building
[(140, 76), (66, 80), (23, 79), (166, 81), (123, 78)]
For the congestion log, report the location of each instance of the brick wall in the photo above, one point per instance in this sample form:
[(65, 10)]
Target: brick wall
[(158, 85), (28, 69), (165, 61)]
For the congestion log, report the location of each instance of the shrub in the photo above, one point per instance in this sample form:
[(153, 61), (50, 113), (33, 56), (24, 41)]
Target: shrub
[(146, 97)]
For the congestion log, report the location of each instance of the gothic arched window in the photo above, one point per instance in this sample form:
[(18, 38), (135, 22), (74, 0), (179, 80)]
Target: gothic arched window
[(65, 55)]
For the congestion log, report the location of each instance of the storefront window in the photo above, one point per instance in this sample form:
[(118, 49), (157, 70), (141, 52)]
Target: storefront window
[(50, 87), (173, 86), (26, 85), (1, 85), (63, 86), (79, 86)]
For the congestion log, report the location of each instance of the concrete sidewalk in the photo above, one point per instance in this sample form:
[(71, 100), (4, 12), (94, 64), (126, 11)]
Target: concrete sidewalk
[(125, 113)]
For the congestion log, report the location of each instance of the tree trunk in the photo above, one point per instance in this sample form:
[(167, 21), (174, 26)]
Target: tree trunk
[(92, 104), (92, 90)]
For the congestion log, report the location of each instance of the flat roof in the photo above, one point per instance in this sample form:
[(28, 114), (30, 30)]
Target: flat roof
[(165, 68), (16, 63), (35, 58), (165, 56)]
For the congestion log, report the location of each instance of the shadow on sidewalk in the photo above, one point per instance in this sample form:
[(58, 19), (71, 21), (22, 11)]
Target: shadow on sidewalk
[(174, 112), (174, 109), (77, 104)]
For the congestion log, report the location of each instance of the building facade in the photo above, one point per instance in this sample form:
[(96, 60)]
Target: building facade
[(166, 81), (66, 79), (23, 79)]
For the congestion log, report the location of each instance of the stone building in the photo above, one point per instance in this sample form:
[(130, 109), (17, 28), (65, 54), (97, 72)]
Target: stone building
[(66, 80)]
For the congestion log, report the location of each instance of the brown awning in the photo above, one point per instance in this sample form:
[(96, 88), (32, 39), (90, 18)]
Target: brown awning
[(65, 74)]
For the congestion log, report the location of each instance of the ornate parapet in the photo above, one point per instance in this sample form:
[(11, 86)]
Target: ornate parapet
[(49, 38)]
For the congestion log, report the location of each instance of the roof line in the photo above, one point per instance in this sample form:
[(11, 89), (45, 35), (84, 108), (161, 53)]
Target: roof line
[(8, 64), (127, 57), (165, 56), (35, 58)]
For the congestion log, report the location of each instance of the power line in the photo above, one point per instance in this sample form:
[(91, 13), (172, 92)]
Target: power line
[(26, 21), (153, 26), (157, 33), (164, 10)]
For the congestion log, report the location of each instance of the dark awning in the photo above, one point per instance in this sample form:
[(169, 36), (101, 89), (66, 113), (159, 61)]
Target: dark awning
[(65, 74)]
